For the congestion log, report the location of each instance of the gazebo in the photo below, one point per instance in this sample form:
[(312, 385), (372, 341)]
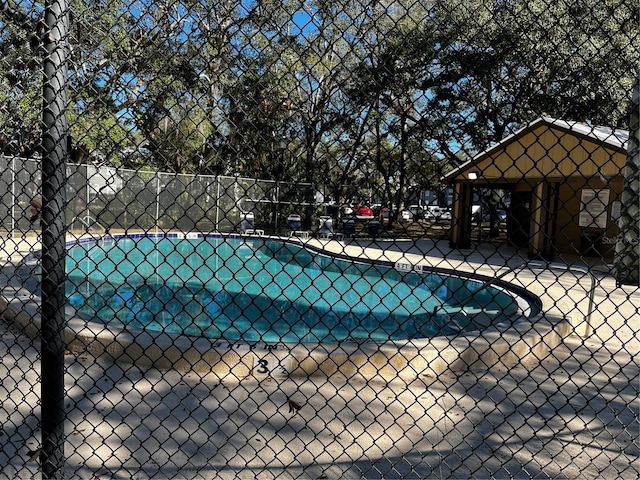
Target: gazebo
[(563, 181)]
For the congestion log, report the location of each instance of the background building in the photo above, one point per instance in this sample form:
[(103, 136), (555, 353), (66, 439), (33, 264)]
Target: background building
[(564, 180)]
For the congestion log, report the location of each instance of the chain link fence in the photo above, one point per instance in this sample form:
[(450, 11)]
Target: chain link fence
[(103, 199), (248, 239)]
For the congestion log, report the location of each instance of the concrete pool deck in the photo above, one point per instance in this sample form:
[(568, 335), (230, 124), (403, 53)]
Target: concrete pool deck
[(568, 413)]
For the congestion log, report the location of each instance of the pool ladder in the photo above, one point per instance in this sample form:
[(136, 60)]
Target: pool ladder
[(549, 266), (90, 224)]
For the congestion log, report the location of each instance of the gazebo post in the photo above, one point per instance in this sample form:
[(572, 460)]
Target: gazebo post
[(460, 233), (542, 221)]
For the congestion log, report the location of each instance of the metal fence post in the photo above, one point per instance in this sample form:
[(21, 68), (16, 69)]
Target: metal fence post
[(217, 202), (12, 235), (55, 151), (157, 216)]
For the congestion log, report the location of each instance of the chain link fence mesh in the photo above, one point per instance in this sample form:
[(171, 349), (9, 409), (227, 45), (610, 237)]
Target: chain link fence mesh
[(251, 239)]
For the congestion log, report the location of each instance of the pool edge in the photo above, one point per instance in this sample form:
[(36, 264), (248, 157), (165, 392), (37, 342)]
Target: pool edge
[(525, 339)]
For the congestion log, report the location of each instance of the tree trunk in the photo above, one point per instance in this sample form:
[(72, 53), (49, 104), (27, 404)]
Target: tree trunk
[(626, 266)]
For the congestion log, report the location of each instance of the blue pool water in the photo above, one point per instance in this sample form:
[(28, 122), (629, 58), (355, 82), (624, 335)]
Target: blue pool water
[(264, 290)]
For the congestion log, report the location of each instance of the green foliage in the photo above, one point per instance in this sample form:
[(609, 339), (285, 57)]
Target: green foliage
[(382, 95), (20, 81)]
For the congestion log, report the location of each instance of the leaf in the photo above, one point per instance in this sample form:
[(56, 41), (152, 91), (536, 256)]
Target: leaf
[(33, 455), (293, 406)]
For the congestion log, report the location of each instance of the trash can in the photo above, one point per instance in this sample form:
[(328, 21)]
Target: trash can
[(348, 227), (373, 227), (247, 221)]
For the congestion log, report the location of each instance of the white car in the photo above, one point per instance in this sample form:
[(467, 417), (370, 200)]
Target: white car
[(437, 213), (446, 215)]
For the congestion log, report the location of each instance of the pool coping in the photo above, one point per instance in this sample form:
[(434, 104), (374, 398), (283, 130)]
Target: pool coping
[(506, 344)]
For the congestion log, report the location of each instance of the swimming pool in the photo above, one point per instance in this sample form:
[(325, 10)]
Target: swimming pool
[(271, 291)]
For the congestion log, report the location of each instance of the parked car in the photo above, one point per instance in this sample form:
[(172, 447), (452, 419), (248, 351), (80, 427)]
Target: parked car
[(362, 211), (445, 215), (382, 213), (435, 212), (346, 210)]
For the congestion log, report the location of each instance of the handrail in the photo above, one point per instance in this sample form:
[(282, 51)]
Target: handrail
[(89, 223), (548, 265), (576, 268)]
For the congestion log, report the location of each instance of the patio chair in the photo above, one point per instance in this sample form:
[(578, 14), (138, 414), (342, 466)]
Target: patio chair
[(294, 222), (325, 227), (247, 224)]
